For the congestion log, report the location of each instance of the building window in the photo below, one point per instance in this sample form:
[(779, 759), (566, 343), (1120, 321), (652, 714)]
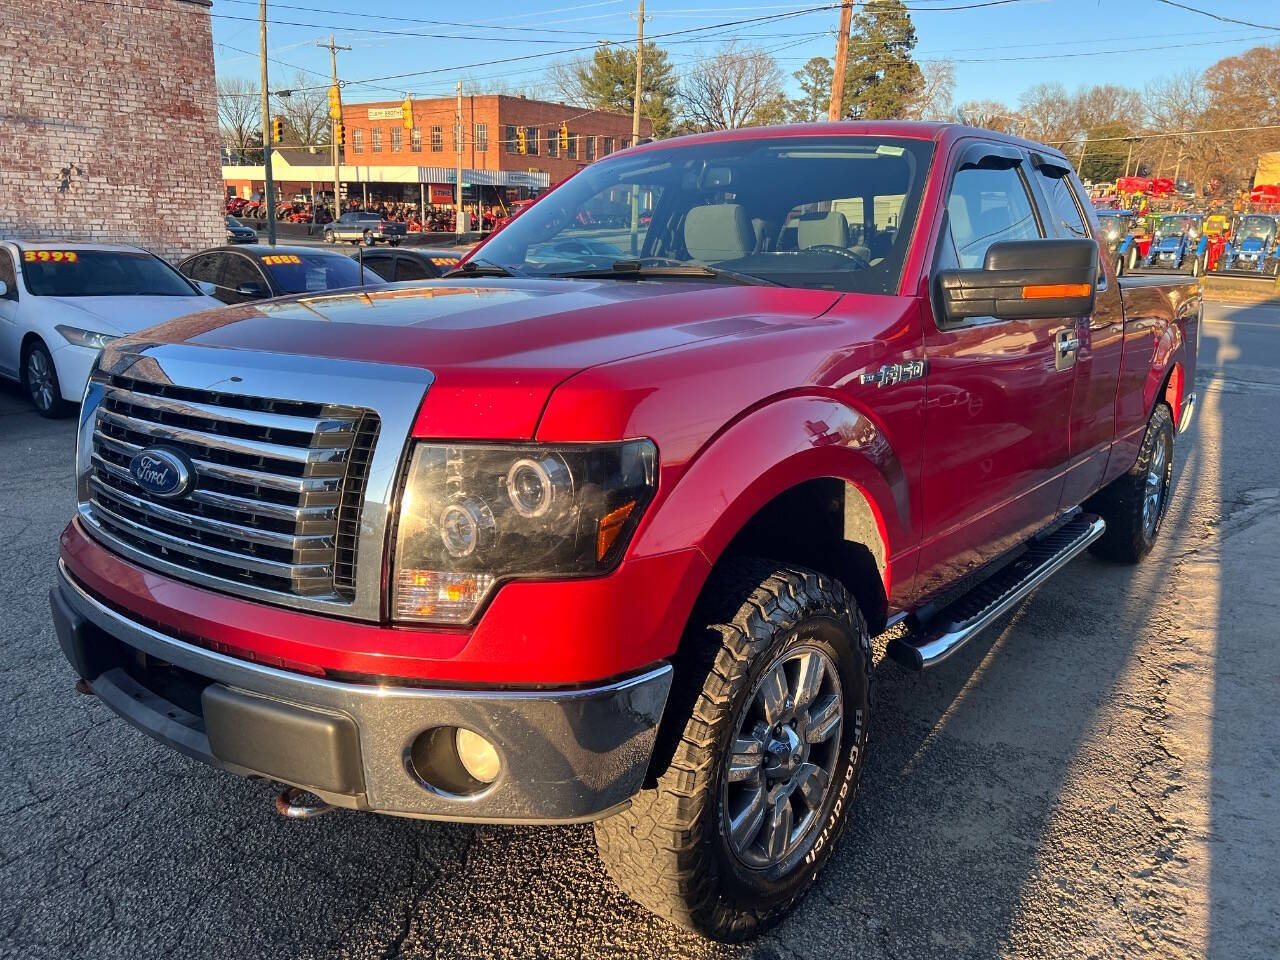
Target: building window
[(375, 140), (482, 137), (437, 139), (457, 138), (533, 140), (553, 142), (590, 147), (357, 140), (397, 140), (572, 152), (509, 139), (608, 147), (415, 140), (623, 143)]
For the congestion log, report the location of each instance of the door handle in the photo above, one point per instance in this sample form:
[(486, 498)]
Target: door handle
[(1068, 344)]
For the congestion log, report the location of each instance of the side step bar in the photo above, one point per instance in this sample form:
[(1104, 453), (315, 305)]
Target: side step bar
[(927, 644)]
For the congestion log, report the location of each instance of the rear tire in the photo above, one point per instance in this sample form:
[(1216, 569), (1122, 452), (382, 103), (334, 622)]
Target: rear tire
[(759, 756), (1134, 505), (1119, 266), (1133, 259)]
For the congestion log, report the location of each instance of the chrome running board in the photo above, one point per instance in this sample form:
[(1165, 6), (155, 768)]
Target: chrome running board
[(929, 643)]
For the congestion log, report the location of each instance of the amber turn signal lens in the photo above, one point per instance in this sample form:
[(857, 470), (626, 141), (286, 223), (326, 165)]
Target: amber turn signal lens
[(611, 525), (1051, 291)]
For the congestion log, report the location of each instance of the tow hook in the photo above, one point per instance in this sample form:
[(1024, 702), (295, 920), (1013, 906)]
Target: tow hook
[(82, 686), (288, 805)]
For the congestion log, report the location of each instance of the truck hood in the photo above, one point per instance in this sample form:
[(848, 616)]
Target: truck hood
[(124, 315), (1169, 243), (1251, 245), (496, 348)]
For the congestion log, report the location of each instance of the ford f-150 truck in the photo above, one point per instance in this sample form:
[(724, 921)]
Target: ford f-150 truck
[(600, 526)]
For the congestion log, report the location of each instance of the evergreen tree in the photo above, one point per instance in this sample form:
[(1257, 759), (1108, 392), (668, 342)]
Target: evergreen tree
[(607, 81), (881, 79), (815, 92)]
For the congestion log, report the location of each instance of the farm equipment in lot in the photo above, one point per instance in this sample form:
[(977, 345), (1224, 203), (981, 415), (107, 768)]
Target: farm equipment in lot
[(1118, 234), (1177, 245), (1254, 247)]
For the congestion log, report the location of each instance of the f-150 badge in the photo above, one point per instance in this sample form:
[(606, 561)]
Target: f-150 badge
[(892, 373)]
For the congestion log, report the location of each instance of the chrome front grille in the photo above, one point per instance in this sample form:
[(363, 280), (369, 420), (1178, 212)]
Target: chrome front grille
[(278, 491)]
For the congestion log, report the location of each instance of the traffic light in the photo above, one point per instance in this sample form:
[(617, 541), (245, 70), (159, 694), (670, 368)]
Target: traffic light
[(522, 140), (564, 138), (406, 111), (277, 129), (335, 103), (340, 134)]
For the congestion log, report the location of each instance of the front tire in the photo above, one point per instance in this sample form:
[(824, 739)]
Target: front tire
[(759, 757), (1134, 504), (40, 381), (1133, 259), (1119, 266)]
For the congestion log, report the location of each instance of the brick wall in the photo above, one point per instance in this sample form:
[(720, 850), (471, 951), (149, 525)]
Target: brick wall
[(496, 113), (124, 91)]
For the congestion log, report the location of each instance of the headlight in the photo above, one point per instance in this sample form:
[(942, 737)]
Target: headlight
[(85, 338), (473, 515)]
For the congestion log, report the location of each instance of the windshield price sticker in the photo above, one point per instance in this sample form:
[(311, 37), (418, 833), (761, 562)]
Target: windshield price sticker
[(277, 258), (444, 261), (50, 256)]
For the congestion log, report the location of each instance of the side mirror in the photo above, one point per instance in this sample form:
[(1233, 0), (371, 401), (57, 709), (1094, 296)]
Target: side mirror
[(251, 290), (207, 288), (1024, 280)]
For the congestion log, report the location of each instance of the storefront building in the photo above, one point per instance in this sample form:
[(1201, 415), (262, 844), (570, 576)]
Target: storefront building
[(386, 161)]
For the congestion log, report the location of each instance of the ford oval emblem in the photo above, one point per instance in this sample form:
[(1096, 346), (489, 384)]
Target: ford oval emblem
[(161, 473)]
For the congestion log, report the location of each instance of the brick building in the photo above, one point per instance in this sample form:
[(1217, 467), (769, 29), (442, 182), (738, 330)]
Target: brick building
[(385, 161), (108, 123)]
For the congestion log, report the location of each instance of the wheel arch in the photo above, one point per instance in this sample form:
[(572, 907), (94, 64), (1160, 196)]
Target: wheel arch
[(805, 480)]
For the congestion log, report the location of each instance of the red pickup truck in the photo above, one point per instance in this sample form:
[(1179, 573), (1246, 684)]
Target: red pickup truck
[(599, 527)]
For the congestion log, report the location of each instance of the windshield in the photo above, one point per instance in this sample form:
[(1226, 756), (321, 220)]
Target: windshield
[(827, 212), (101, 273), (1114, 224), (1258, 228), (1171, 225), (233, 222), (309, 272)]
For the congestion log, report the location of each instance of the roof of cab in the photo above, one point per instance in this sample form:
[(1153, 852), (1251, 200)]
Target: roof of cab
[(24, 244)]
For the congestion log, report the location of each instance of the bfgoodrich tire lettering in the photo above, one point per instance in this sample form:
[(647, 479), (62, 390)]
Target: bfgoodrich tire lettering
[(671, 850), (1134, 504)]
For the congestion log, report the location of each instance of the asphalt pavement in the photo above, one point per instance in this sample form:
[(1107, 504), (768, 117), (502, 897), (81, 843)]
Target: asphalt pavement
[(1095, 777)]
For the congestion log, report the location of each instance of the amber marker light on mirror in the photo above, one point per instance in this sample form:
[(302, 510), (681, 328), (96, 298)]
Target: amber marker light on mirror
[(1052, 291)]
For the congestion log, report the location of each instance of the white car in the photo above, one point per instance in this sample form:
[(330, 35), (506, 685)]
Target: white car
[(61, 303)]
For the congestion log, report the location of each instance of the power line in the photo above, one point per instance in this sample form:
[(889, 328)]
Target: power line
[(1218, 16), (1174, 133)]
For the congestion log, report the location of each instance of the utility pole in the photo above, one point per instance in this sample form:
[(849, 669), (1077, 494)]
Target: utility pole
[(333, 67), (1128, 158), (635, 104), (458, 141), (842, 59), (635, 128), (268, 187)]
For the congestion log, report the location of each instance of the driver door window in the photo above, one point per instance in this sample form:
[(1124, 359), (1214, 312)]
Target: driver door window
[(986, 206), (241, 270)]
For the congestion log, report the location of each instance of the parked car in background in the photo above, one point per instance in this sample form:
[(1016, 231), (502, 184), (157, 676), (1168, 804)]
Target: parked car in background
[(238, 232), (412, 263), (245, 272), (361, 226), (61, 303), (567, 537)]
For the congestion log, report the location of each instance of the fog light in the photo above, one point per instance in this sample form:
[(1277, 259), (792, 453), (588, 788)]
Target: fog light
[(479, 757)]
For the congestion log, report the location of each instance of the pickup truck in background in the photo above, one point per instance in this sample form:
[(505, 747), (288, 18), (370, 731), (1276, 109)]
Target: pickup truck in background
[(599, 527), (361, 226)]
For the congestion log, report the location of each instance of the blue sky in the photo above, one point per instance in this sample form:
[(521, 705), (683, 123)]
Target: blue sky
[(998, 50)]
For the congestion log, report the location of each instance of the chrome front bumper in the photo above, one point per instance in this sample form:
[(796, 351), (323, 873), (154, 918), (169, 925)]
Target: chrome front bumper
[(568, 756)]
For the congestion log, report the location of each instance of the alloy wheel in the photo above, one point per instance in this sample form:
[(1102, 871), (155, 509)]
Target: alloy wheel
[(40, 380), (1154, 492), (783, 757)]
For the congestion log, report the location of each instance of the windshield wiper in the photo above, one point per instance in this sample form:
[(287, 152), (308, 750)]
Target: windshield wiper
[(639, 270), (480, 268)]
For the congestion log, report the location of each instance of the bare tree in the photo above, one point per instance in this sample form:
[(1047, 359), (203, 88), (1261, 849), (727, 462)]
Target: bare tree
[(737, 87), (306, 112), (240, 119), (1048, 114), (933, 100), (988, 114)]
